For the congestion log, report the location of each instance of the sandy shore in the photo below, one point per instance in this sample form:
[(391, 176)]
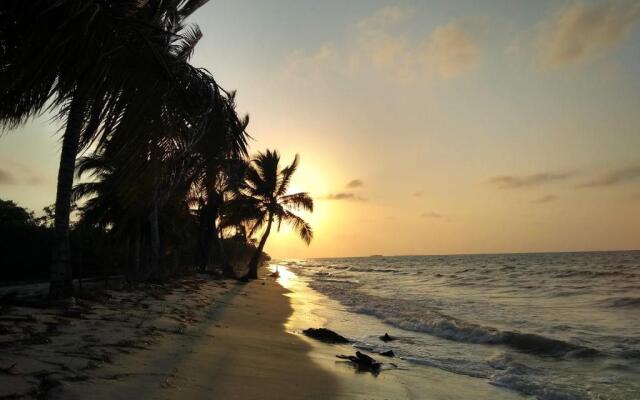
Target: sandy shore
[(196, 339), (199, 339)]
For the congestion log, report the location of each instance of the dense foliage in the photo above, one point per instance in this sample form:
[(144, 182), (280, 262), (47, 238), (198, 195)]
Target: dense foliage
[(166, 184)]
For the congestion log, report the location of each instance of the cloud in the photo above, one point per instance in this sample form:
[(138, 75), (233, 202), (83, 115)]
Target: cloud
[(343, 196), (582, 31), (19, 175), (386, 17), (6, 178), (614, 177), (311, 62), (544, 199), (431, 214), (356, 183), (379, 44), (452, 50), (517, 182)]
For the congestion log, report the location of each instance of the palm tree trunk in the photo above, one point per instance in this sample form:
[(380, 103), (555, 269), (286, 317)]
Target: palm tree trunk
[(227, 269), (175, 262), (135, 256), (202, 242), (155, 240), (61, 285), (253, 264), (126, 258)]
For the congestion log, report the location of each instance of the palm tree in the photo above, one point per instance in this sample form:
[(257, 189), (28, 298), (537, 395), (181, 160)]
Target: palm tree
[(86, 59), (219, 157), (266, 190)]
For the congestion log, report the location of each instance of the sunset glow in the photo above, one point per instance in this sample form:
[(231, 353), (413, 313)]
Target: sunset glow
[(467, 130)]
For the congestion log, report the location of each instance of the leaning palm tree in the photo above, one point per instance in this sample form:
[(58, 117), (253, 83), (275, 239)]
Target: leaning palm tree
[(81, 58), (266, 190)]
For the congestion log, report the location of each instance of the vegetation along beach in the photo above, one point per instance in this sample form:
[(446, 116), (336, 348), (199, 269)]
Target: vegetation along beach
[(278, 199)]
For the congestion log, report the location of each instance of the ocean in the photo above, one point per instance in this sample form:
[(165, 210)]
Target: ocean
[(550, 326)]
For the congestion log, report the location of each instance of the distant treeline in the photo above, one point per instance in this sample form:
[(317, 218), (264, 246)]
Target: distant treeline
[(26, 243)]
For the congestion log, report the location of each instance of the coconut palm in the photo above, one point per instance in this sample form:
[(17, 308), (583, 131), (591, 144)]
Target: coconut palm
[(85, 59), (266, 191), (218, 168)]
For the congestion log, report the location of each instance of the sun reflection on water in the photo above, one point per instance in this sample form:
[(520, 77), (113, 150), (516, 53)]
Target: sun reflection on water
[(286, 277), (304, 301)]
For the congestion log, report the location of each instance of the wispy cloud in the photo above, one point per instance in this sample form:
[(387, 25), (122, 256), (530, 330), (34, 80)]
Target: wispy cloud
[(581, 31), (544, 199), (356, 183), (450, 50), (453, 50), (18, 175), (312, 62), (6, 178), (343, 196), (386, 17), (431, 214), (380, 45), (517, 182), (614, 177)]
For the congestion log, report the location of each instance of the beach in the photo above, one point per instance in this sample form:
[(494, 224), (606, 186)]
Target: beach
[(199, 339)]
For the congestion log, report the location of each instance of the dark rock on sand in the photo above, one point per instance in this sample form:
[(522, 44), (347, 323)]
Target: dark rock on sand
[(388, 353), (363, 362), (387, 338), (325, 335)]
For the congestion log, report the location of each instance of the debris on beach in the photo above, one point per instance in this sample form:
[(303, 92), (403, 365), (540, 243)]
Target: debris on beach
[(363, 362), (45, 346), (388, 353), (325, 335), (387, 338)]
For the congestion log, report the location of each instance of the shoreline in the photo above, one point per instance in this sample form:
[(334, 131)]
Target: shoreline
[(406, 381), (203, 338)]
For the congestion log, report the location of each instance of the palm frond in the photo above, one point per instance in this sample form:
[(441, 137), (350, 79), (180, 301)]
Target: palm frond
[(86, 189), (298, 201), (188, 39), (300, 226), (286, 174)]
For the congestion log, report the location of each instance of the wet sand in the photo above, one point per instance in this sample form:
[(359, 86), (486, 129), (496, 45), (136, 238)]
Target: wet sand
[(238, 350), (207, 339)]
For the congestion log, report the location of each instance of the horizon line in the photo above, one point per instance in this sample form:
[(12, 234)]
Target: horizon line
[(462, 254)]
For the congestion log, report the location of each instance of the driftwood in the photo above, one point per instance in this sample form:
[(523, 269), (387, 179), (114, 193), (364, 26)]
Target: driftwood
[(325, 335), (387, 338), (17, 318), (9, 369), (363, 362)]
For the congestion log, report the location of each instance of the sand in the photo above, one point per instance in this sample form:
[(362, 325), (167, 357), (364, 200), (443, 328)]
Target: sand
[(201, 339), (198, 339)]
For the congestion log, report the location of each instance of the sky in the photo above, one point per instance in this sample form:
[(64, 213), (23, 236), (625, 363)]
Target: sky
[(424, 127)]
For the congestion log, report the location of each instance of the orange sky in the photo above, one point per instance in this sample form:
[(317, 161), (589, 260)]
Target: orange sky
[(470, 127)]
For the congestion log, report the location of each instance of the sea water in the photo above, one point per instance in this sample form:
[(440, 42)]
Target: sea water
[(551, 326)]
